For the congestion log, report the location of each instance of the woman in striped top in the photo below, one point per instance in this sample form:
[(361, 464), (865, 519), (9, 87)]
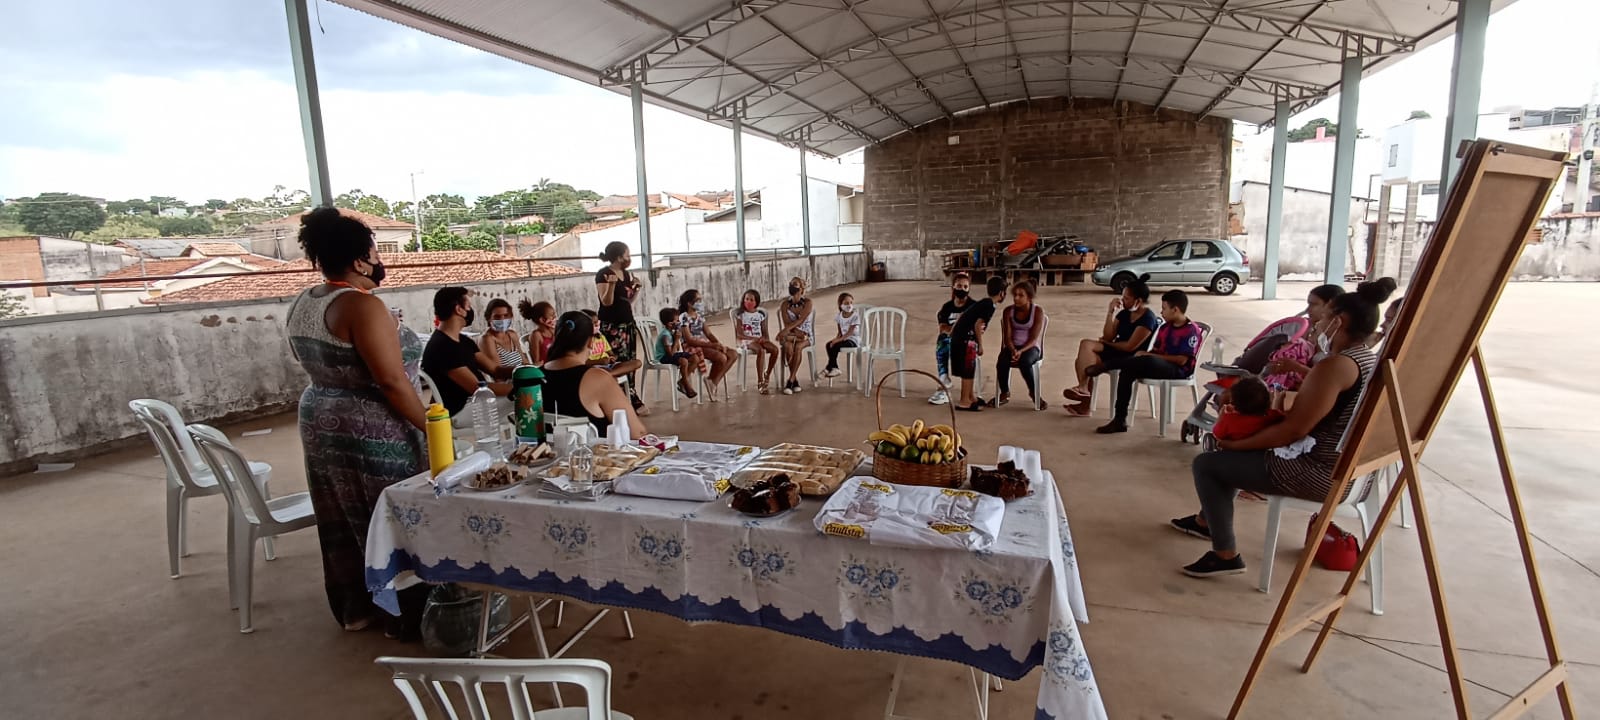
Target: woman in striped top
[(1321, 412), (502, 342)]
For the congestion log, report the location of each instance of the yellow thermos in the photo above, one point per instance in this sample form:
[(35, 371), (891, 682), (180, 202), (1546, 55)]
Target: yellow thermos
[(441, 445)]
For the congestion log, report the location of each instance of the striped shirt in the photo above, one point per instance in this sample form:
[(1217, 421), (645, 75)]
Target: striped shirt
[(1310, 476)]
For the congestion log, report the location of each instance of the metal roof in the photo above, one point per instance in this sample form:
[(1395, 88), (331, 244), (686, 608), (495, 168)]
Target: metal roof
[(836, 75)]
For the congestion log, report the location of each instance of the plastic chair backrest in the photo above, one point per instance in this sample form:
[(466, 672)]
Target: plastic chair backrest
[(884, 329), (416, 677), (233, 473), (649, 330), (179, 473), (168, 415), (426, 389)]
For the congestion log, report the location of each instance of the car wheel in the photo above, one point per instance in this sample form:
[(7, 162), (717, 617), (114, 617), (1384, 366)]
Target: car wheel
[(1120, 281), (1224, 284)]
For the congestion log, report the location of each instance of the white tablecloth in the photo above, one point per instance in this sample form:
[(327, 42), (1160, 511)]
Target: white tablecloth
[(1005, 611)]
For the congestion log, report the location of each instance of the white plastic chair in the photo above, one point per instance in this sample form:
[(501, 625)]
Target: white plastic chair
[(851, 357), (1360, 503), (254, 516), (662, 372), (188, 476), (1036, 370), (416, 677), (427, 390), (740, 354), (1168, 387), (1112, 376), (885, 331)]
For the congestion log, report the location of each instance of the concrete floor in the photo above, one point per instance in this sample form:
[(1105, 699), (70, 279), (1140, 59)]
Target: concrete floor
[(92, 626)]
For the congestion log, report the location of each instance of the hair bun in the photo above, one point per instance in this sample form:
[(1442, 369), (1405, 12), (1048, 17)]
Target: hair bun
[(1377, 291), (1144, 278)]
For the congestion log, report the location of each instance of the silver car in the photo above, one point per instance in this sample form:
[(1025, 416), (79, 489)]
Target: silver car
[(1215, 264)]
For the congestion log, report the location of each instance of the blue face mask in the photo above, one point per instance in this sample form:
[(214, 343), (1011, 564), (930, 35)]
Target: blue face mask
[(500, 325), (699, 307)]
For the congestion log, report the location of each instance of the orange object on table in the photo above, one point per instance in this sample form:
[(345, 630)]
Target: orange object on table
[(1026, 240)]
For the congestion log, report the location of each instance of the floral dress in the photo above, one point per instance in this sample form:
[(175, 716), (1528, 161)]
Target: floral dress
[(355, 446)]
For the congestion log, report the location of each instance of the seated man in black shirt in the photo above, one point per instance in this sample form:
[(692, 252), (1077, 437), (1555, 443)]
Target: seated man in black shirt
[(451, 359), (966, 341)]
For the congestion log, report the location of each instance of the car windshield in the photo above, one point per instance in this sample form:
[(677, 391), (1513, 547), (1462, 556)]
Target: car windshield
[(1144, 252)]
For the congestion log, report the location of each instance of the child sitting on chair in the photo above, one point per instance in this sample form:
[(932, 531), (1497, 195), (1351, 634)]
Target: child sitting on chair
[(670, 351), (751, 329)]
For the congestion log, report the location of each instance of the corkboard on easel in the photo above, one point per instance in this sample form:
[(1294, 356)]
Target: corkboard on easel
[(1458, 282), (1498, 197)]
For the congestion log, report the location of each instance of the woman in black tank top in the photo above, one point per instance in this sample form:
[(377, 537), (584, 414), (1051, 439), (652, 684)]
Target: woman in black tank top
[(575, 389)]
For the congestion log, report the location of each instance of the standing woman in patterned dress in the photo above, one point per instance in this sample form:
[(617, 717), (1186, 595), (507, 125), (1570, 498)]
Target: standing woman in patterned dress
[(616, 288), (360, 419)]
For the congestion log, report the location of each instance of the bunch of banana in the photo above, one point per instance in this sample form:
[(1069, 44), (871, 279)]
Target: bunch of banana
[(918, 442)]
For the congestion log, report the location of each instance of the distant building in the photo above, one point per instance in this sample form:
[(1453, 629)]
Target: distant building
[(279, 238), (452, 267)]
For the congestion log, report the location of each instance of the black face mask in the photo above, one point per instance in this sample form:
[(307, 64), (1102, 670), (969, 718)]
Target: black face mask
[(379, 272), (794, 289), (960, 294), (471, 315)]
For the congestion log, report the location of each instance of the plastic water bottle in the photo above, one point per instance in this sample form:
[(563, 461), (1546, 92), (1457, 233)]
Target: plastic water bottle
[(483, 423), (1218, 351)]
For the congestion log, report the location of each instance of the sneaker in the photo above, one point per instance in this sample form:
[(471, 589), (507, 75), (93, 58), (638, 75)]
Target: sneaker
[(788, 388), (1210, 565), (796, 385), (1191, 526), (832, 373), (939, 398), (1115, 426)]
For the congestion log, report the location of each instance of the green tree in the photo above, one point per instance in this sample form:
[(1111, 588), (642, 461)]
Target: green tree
[(1418, 115), (525, 229), (184, 226), (402, 210), (438, 237), (567, 216), (444, 209), (215, 205), (61, 214), (508, 204), (1309, 130), (124, 226), (11, 306), (362, 202), (130, 207), (11, 220)]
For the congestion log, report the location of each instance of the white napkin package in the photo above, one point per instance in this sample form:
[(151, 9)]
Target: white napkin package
[(881, 513)]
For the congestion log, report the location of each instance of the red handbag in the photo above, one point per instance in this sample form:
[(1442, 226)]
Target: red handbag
[(1338, 549)]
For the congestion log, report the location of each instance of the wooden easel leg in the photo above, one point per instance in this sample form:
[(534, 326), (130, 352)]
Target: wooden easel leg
[(1276, 630), (1525, 543), (1389, 505)]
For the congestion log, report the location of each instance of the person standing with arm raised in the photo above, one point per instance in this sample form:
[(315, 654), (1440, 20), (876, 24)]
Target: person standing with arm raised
[(616, 289)]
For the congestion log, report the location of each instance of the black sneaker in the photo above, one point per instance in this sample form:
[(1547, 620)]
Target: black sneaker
[(1211, 564), (1191, 526), (1115, 426)]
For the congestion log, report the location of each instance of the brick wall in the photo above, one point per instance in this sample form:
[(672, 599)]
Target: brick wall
[(1119, 176), (20, 260)]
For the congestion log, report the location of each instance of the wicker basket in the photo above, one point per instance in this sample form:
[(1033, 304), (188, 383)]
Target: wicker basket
[(902, 472)]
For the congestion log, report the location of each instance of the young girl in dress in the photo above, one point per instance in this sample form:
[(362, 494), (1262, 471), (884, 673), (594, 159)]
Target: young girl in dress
[(750, 324), (849, 333), (543, 317), (795, 336), (696, 336)]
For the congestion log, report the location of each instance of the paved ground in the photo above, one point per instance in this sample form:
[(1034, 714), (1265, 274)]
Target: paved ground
[(93, 627)]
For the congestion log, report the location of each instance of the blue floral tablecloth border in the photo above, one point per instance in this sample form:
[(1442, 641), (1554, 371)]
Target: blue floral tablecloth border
[(855, 635)]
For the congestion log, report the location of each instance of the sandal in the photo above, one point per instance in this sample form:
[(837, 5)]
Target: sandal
[(976, 406), (1073, 393), (1079, 410)]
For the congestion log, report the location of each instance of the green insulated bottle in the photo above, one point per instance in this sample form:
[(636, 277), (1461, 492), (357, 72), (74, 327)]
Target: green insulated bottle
[(527, 396)]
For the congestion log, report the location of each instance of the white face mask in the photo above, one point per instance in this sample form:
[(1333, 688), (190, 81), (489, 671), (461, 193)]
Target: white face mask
[(847, 307), (699, 307), (500, 325), (1325, 339)]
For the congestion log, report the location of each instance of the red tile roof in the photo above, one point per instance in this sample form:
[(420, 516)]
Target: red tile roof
[(150, 268), (400, 274), (376, 222), (216, 249)]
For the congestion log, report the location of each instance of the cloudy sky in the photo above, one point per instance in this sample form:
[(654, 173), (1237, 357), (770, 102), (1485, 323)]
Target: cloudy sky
[(195, 99)]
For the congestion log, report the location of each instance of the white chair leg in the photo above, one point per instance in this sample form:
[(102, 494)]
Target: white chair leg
[(175, 535), (900, 364), (1151, 389), (866, 377), (244, 554), (269, 549), (627, 623), (1269, 546), (233, 554), (1369, 509), (1166, 407), (811, 364)]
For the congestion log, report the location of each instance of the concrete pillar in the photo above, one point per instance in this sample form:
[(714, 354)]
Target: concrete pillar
[(636, 93), (1466, 85), (1280, 156), (805, 204), (738, 186), (1344, 163), (1409, 249), (305, 81)]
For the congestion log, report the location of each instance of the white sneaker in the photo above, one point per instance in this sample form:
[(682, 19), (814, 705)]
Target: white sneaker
[(788, 390), (939, 398), (832, 373)]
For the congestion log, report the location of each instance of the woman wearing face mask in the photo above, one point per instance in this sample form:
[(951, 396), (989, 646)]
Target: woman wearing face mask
[(543, 317), (616, 288), (360, 419), (1275, 460), (694, 333), (795, 335), (501, 343)]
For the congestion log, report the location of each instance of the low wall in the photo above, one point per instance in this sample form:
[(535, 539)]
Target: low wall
[(65, 380)]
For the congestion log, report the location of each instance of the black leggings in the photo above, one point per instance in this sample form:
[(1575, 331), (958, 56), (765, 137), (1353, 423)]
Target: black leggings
[(833, 352), (1024, 362), (1217, 477), (1145, 367)]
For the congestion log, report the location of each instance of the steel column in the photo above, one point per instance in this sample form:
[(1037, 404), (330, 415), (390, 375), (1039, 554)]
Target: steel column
[(305, 81), (738, 185), (636, 93), (1280, 155), (805, 204), (1466, 86), (1344, 160)]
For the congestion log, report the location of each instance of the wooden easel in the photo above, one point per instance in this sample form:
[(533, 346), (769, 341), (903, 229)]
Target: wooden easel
[(1497, 200)]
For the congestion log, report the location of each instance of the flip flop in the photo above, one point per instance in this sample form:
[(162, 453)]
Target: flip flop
[(1076, 410), (1073, 392), (974, 407)]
